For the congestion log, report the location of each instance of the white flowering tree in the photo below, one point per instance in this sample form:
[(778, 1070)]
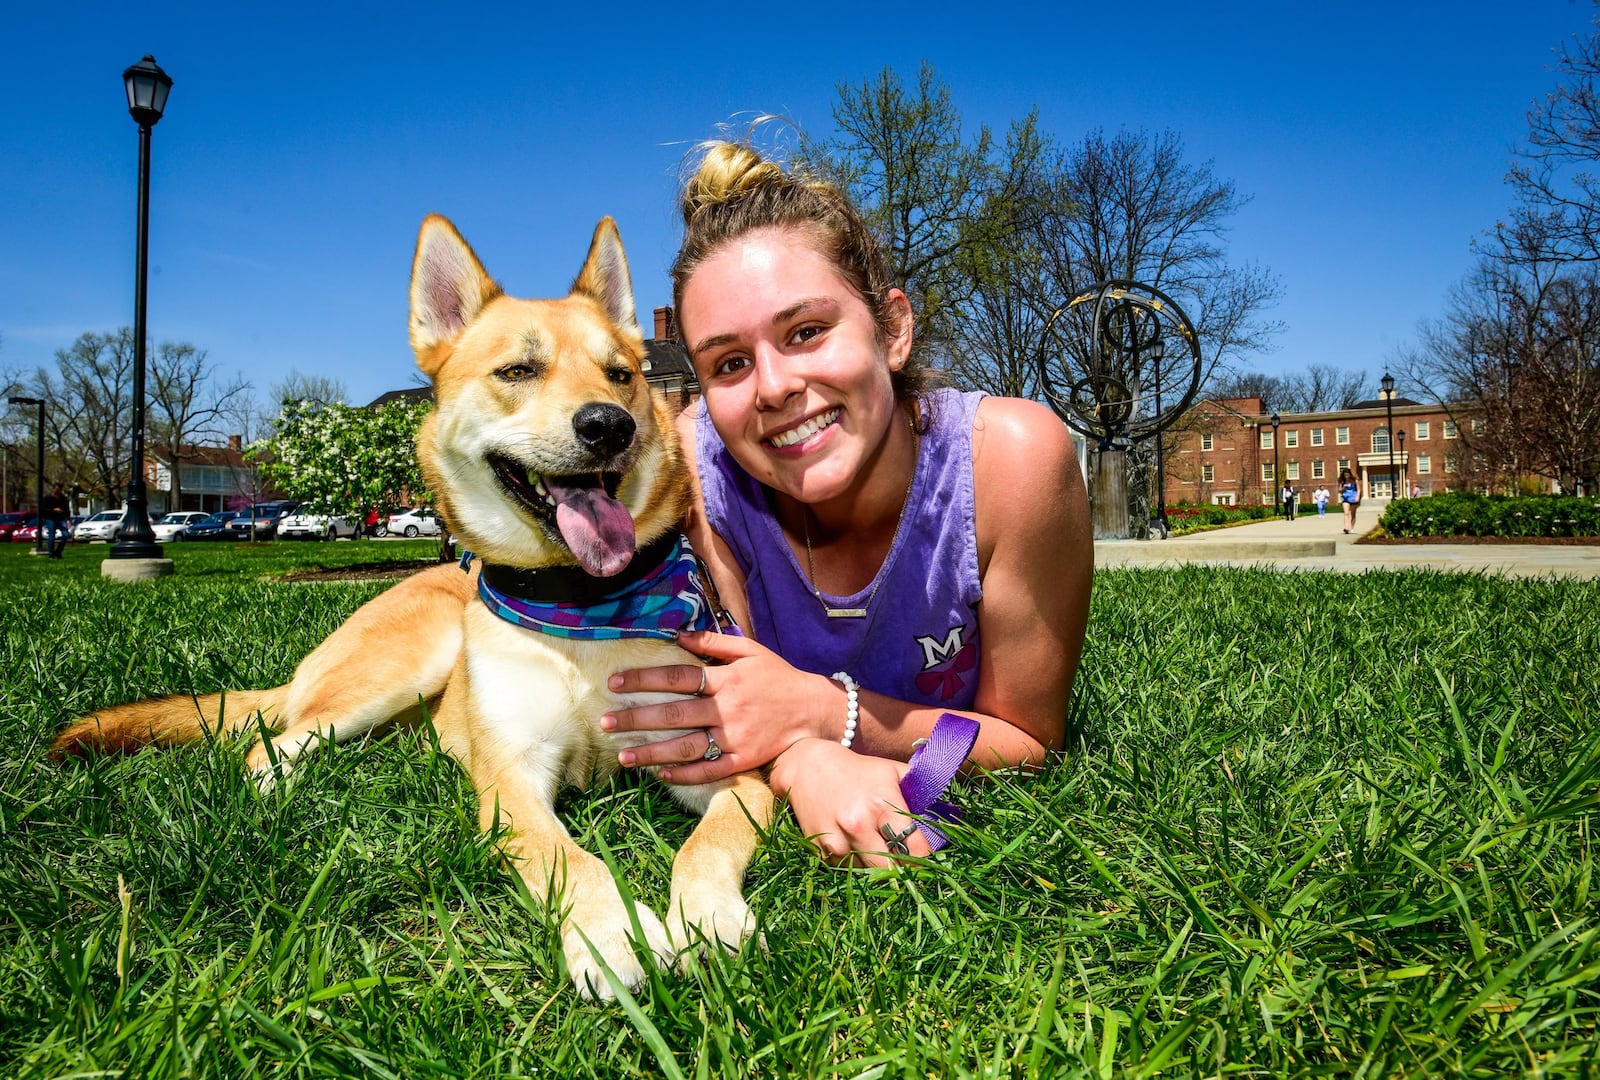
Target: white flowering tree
[(343, 459)]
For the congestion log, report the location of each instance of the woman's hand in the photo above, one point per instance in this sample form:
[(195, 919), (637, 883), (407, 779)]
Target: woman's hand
[(842, 800), (755, 705)]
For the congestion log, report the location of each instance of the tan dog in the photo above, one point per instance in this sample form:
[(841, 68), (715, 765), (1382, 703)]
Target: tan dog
[(546, 449)]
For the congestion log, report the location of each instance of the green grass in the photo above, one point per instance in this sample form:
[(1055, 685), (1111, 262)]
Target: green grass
[(1310, 824)]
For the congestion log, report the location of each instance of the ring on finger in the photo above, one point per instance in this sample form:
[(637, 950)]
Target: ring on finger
[(713, 751), (896, 840), (700, 691)]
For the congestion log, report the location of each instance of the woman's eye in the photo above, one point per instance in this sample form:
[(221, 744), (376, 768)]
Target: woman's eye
[(806, 333), (730, 365)]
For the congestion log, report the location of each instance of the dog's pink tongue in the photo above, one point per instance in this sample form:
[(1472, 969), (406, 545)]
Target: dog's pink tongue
[(597, 528)]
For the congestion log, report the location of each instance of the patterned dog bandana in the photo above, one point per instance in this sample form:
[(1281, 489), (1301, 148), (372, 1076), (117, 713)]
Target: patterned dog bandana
[(667, 598)]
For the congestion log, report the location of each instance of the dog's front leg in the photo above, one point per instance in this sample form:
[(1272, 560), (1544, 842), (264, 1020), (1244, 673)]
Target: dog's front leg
[(595, 927), (708, 874)]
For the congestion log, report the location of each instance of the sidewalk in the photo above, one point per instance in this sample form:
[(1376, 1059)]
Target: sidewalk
[(1313, 543)]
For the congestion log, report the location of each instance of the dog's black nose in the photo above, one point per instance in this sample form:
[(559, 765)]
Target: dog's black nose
[(603, 429)]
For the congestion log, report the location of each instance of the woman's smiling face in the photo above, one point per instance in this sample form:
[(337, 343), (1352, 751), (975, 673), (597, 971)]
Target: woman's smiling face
[(795, 375)]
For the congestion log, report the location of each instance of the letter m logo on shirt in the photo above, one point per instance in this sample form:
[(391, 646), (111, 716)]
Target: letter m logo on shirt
[(936, 652)]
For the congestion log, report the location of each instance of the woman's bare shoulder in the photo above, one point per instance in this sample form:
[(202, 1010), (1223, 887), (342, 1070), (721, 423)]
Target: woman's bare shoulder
[(1016, 437)]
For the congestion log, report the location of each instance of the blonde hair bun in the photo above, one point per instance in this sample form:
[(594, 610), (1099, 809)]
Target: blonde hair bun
[(728, 171)]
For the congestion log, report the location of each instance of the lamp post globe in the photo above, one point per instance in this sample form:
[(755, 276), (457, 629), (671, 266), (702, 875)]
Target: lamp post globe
[(1277, 482), (147, 87)]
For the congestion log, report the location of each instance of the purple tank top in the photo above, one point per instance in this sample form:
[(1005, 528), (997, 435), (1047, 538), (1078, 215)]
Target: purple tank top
[(919, 640)]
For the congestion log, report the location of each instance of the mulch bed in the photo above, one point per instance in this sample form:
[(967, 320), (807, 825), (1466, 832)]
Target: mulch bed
[(1489, 541), (373, 571)]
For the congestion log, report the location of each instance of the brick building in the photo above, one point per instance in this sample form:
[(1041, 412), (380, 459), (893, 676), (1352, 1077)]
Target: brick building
[(1223, 451)]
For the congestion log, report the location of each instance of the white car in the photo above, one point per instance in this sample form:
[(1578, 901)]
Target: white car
[(106, 525), (174, 526), (414, 523), (318, 527)]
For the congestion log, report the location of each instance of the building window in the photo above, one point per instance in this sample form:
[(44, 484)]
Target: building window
[(1341, 435), (1449, 463), (1206, 441), (1291, 439), (1318, 469), (1316, 436), (1223, 499), (1422, 430), (1450, 429), (1477, 425), (1344, 463), (1380, 441), (1266, 438), (1266, 472), (1293, 470), (1424, 463), (1208, 474)]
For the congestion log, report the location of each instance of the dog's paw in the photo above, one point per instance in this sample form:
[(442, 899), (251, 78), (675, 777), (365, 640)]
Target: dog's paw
[(611, 935), (264, 772), (703, 914)]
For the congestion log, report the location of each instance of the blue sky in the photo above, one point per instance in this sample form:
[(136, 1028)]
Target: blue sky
[(304, 143)]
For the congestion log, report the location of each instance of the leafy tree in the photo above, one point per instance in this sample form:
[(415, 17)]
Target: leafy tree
[(343, 459)]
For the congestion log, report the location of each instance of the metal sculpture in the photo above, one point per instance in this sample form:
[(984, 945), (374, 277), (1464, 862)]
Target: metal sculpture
[(1129, 361)]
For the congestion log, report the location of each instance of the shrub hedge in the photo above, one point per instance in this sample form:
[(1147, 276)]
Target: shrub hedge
[(1185, 518), (1461, 514)]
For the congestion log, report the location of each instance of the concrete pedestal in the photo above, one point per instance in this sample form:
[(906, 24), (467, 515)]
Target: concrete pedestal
[(135, 569)]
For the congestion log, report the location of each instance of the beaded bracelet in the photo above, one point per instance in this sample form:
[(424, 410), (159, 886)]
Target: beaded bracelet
[(852, 708)]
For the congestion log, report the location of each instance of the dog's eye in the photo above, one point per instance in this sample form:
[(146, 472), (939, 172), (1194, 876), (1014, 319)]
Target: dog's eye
[(619, 375), (516, 372)]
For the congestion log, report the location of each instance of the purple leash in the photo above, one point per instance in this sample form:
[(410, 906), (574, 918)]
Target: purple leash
[(933, 765)]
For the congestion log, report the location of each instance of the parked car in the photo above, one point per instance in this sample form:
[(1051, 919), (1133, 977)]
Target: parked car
[(25, 534), (106, 525), (10, 521), (298, 526), (414, 523), (260, 522), (175, 526), (214, 527)]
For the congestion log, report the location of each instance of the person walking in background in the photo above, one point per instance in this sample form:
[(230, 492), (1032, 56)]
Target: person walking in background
[(1320, 497), (1290, 495), (56, 515), (1349, 496)]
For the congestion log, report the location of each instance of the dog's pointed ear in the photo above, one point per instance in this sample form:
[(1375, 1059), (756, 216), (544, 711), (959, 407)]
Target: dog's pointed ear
[(604, 276), (449, 287)]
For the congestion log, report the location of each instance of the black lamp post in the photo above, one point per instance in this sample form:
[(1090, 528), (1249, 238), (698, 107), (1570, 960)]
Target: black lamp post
[(38, 480), (1403, 470), (1387, 382), (1277, 483), (147, 87)]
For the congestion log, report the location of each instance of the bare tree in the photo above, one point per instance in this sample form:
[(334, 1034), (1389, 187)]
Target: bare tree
[(1142, 213), (1517, 356), (317, 389), (187, 406), (932, 195), (1322, 388), (89, 404), (1557, 190)]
